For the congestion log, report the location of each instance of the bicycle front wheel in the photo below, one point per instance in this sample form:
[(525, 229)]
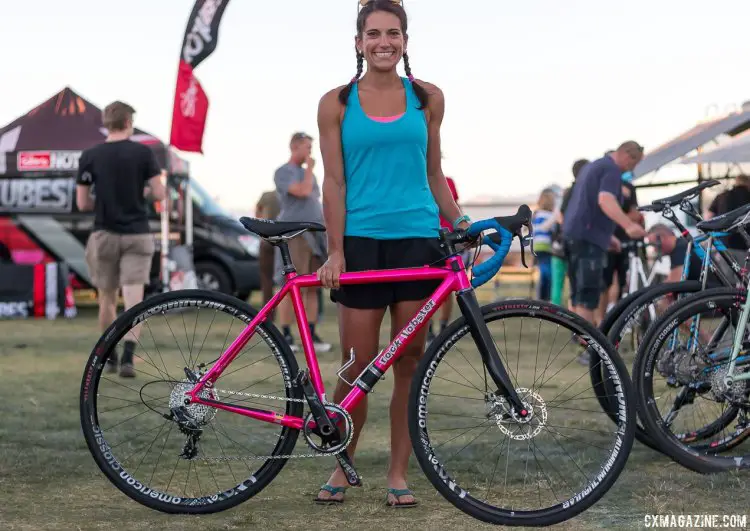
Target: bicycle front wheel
[(541, 470), (179, 458)]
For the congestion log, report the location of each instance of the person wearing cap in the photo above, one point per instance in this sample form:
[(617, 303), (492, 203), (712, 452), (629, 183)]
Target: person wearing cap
[(299, 200)]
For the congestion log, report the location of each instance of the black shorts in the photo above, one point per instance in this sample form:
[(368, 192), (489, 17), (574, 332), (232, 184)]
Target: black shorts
[(618, 262), (585, 272), (367, 254)]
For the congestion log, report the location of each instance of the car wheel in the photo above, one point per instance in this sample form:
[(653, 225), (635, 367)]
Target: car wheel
[(212, 276)]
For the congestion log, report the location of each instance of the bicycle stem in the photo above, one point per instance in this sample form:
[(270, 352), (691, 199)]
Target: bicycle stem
[(690, 210), (467, 302)]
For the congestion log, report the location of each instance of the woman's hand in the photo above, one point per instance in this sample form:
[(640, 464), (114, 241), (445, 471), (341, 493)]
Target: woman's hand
[(474, 243), (331, 271)]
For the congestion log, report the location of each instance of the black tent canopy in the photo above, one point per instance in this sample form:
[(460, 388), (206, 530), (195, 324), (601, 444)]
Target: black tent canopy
[(39, 154), (51, 137)]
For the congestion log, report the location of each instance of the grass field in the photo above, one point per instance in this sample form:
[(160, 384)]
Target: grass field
[(48, 479)]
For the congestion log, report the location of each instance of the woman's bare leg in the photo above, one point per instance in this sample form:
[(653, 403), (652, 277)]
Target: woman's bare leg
[(358, 329), (404, 369)]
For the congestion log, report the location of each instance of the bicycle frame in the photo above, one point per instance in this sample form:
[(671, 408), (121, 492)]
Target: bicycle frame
[(454, 279), (637, 271)]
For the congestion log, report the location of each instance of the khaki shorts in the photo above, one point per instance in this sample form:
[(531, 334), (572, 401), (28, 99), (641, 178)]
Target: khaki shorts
[(116, 260), (305, 262)]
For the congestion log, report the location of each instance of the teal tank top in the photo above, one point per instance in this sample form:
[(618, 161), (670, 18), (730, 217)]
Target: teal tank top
[(388, 196)]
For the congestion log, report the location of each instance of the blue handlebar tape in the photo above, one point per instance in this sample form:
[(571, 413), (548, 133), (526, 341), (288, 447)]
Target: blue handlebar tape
[(487, 270)]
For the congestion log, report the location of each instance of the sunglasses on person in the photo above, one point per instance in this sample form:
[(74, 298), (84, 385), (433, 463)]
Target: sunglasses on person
[(363, 3), (637, 152)]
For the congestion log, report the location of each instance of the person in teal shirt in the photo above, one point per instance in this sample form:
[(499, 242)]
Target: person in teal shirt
[(383, 193)]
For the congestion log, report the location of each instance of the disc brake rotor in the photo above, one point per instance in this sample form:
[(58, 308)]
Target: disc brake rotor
[(516, 427)]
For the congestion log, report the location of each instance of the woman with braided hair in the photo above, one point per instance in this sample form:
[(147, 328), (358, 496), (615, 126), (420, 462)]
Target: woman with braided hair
[(383, 193)]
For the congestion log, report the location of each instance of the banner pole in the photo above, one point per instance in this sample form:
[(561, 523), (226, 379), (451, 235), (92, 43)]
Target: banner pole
[(188, 216), (164, 245)]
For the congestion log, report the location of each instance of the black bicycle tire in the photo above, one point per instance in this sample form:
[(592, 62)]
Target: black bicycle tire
[(605, 326), (435, 471), (615, 330), (163, 502), (645, 296), (620, 306), (642, 383)]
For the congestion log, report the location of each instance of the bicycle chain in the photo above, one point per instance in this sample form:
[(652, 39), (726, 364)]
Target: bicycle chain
[(266, 457)]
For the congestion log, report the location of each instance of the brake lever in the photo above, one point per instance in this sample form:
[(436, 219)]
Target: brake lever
[(526, 241)]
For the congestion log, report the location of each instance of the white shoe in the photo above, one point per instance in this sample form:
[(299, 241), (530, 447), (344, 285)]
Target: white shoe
[(290, 342), (320, 345)]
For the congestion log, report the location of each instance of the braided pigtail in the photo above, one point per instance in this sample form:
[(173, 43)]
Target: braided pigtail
[(344, 94), (419, 90)]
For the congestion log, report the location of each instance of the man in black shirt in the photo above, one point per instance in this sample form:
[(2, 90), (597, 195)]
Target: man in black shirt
[(559, 262), (676, 249), (120, 249), (577, 167), (727, 201)]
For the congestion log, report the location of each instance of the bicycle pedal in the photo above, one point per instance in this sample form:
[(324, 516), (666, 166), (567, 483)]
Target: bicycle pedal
[(302, 378), (346, 465)]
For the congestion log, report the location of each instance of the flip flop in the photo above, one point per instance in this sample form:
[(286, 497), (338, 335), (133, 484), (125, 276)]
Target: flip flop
[(333, 491), (398, 493)]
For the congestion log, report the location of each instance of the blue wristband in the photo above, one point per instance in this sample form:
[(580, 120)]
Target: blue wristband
[(465, 218)]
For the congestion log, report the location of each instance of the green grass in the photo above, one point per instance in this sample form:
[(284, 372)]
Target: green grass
[(48, 479)]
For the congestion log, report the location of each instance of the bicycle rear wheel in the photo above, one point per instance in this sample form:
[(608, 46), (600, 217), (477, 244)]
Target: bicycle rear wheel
[(558, 462), (682, 400), (189, 459)]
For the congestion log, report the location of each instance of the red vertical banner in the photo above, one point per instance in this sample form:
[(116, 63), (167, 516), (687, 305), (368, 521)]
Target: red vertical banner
[(40, 289), (190, 101), (189, 112)]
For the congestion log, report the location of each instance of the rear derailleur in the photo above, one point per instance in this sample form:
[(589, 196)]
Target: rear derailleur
[(190, 429)]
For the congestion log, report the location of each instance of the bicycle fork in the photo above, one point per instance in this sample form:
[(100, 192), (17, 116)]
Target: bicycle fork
[(467, 302), (739, 339)]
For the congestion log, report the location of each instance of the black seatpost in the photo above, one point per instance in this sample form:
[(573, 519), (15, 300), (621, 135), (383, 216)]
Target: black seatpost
[(286, 258)]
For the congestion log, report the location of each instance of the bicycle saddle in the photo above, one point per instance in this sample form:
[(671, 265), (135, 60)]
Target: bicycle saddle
[(725, 221), (273, 229)]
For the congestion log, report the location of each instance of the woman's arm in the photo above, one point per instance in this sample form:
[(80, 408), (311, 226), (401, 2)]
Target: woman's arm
[(438, 185), (334, 184)]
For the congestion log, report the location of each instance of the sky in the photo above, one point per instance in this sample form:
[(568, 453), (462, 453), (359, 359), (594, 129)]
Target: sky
[(530, 86)]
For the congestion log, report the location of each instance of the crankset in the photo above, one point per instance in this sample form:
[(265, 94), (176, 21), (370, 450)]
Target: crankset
[(327, 430)]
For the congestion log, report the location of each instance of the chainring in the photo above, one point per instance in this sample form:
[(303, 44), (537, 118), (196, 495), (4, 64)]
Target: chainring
[(340, 416)]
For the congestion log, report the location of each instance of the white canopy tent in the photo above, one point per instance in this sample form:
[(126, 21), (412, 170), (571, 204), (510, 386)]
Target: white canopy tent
[(736, 151), (732, 124)]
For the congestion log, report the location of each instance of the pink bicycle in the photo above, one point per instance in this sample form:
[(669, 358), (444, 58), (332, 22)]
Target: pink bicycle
[(205, 426)]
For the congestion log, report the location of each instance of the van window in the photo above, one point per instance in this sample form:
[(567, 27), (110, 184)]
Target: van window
[(207, 205)]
